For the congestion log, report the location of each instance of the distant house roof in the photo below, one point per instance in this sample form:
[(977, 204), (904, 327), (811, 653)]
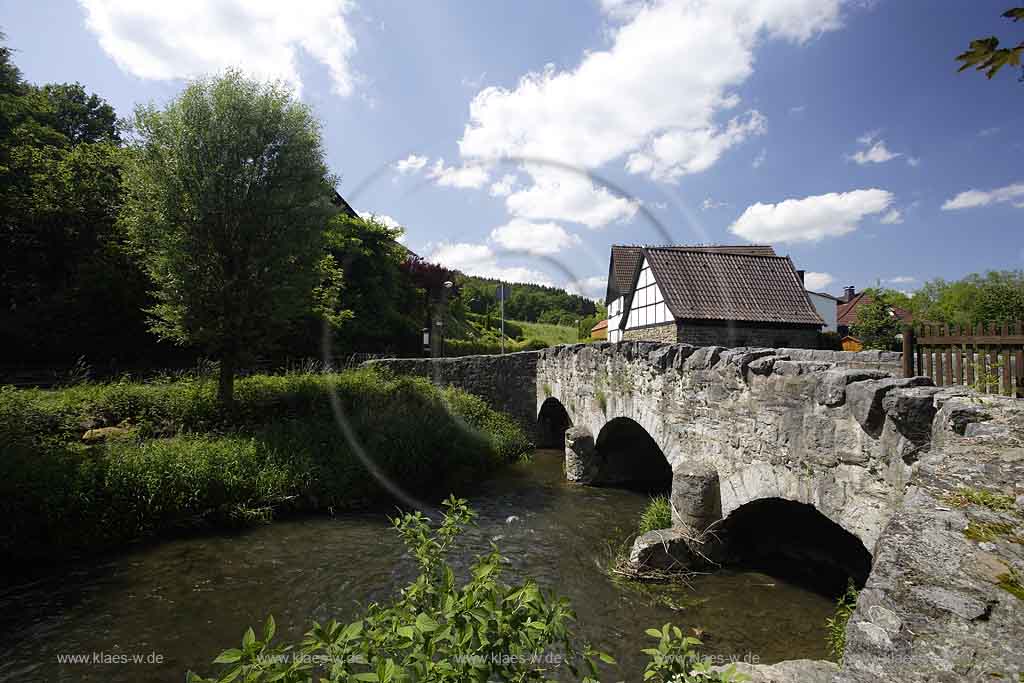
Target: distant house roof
[(749, 284), (826, 295), (626, 260), (847, 312), (345, 207), (600, 326)]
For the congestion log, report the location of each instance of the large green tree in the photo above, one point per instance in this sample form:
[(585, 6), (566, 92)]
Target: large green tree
[(227, 198), (994, 297), (66, 287), (385, 306), (876, 325)]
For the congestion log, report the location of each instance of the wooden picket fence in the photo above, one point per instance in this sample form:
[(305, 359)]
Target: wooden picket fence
[(988, 358)]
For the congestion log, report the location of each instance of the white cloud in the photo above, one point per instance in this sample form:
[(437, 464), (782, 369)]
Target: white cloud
[(902, 280), (411, 164), (538, 239), (480, 260), (817, 281), (594, 287), (810, 219), (798, 109), (894, 217), (562, 195), (472, 177), (188, 38), (876, 152), (760, 158), (672, 69), (914, 161), (686, 151), (974, 198), (503, 187), (986, 132), (710, 203)]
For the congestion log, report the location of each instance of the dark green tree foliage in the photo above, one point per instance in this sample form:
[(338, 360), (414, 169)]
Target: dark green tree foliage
[(876, 326), (226, 202), (984, 54), (387, 308), (66, 288)]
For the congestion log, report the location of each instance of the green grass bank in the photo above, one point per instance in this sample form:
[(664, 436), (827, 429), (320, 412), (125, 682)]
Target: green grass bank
[(181, 461)]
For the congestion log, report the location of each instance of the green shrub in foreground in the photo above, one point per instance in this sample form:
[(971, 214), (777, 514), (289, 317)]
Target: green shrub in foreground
[(437, 631), (187, 462), (657, 515)]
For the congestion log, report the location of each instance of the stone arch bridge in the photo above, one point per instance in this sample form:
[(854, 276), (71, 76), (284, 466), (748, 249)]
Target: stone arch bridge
[(830, 429), (884, 458)]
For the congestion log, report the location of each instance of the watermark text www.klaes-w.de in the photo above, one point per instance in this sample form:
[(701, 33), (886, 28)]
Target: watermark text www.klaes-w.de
[(102, 657)]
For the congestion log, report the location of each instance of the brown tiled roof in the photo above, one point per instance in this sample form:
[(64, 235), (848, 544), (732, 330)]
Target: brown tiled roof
[(846, 314), (622, 270), (600, 326), (626, 259), (706, 284)]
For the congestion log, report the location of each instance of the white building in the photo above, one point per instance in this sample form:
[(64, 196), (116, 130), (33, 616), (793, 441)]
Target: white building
[(827, 307)]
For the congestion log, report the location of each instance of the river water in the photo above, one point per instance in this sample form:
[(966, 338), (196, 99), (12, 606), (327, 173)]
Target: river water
[(182, 601)]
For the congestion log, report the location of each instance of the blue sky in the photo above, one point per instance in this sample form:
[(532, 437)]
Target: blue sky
[(839, 132)]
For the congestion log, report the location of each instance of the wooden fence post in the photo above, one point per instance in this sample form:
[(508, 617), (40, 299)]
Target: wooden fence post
[(908, 351)]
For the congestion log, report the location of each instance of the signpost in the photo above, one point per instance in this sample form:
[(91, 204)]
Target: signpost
[(501, 294)]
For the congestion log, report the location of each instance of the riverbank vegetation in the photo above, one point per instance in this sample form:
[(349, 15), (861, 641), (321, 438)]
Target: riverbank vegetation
[(435, 630), (835, 626), (93, 466), (657, 515)]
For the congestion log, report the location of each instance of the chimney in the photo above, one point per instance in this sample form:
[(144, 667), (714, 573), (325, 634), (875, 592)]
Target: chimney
[(800, 274), (849, 293)]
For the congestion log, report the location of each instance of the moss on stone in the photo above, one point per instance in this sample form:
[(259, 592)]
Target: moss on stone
[(989, 531), (1012, 583), (996, 502)]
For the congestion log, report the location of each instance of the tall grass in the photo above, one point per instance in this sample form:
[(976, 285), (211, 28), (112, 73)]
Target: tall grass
[(552, 334), (186, 461), (657, 515)]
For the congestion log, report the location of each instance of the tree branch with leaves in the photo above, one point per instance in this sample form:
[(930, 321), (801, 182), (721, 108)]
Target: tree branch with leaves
[(984, 54)]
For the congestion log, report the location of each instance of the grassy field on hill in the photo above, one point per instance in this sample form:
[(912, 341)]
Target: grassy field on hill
[(552, 334)]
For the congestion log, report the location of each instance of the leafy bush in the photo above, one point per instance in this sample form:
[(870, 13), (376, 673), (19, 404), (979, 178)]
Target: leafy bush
[(835, 625), (435, 630), (185, 461), (658, 515)]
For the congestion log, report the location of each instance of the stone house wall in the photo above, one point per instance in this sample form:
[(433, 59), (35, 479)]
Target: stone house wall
[(702, 334)]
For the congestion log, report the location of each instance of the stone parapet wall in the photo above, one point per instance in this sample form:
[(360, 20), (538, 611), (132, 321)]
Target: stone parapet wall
[(506, 382)]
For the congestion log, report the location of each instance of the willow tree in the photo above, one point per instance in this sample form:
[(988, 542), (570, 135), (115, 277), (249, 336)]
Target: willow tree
[(226, 199)]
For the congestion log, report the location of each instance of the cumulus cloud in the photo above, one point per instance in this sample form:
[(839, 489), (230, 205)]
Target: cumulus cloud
[(458, 176), (411, 164), (893, 217), (563, 195), (817, 281), (810, 219), (710, 203), (480, 260), (974, 198), (503, 187), (673, 67), (876, 152), (538, 239), (184, 39)]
